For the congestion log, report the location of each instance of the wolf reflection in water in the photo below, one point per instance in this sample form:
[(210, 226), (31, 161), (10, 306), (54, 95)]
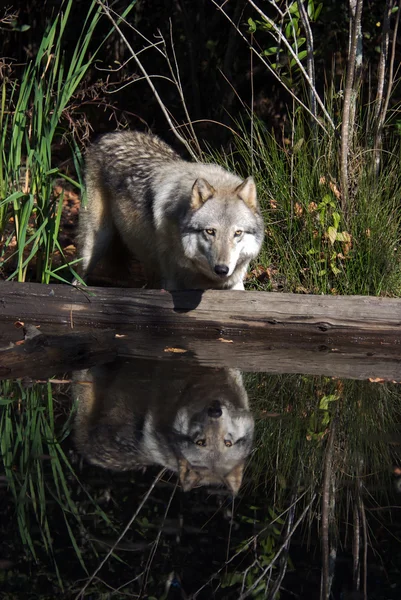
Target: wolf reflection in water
[(193, 420)]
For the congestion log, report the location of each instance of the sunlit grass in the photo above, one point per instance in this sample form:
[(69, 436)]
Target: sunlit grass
[(311, 245), (33, 116)]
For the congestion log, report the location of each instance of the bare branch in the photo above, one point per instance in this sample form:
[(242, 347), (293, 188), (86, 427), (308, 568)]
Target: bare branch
[(381, 108), (81, 593), (347, 125), (294, 55), (272, 71), (310, 58), (148, 79), (279, 551), (328, 470)]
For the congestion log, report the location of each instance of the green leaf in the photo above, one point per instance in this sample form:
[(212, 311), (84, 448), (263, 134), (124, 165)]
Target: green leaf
[(301, 56), (336, 219), (298, 145), (343, 236), (271, 50), (298, 43), (21, 28), (318, 11), (332, 234), (252, 25)]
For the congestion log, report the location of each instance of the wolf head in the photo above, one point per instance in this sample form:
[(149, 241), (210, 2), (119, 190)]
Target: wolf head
[(224, 229), (213, 444)]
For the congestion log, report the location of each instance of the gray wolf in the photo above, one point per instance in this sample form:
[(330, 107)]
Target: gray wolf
[(192, 420), (191, 225)]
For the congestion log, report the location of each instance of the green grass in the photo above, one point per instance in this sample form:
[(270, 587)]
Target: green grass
[(294, 414), (38, 472), (311, 245), (34, 113)]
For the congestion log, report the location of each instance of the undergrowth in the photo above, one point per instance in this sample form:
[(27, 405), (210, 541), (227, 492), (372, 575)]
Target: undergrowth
[(312, 244)]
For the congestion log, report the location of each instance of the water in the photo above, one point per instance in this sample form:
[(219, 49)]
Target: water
[(291, 484)]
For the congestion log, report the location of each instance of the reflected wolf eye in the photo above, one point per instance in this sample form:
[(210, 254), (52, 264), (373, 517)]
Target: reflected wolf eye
[(228, 443), (238, 233), (210, 231), (200, 442)]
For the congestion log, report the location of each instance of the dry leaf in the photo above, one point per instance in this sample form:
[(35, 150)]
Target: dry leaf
[(175, 350), (298, 209)]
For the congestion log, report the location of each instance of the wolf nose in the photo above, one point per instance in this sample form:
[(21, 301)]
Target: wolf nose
[(221, 269), (214, 410)]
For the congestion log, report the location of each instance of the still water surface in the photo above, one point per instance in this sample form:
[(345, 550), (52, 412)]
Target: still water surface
[(155, 479)]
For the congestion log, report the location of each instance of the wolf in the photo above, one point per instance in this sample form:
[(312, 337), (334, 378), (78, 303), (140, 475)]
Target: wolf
[(192, 420), (191, 225)]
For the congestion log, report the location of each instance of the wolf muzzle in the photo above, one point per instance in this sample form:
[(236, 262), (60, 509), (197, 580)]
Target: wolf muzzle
[(214, 411), (221, 270)]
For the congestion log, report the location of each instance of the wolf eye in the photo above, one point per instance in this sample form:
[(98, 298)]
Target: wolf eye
[(228, 443), (200, 442), (238, 233), (210, 231)]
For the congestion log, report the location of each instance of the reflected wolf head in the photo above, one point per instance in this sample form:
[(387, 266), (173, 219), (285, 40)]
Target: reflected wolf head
[(212, 443), (194, 422), (223, 229)]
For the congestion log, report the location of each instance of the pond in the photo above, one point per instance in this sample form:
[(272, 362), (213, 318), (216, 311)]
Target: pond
[(166, 479)]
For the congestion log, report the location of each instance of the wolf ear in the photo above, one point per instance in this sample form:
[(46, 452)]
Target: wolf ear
[(247, 192), (188, 477), (234, 478), (201, 191)]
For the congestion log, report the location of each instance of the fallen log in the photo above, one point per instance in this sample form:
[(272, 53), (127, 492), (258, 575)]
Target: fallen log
[(40, 356), (347, 336)]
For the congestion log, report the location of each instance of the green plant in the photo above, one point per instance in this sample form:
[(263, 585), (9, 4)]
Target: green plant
[(32, 117), (312, 244), (38, 471)]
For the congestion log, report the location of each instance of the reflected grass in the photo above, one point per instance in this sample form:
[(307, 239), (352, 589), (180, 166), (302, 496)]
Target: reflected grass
[(39, 473), (293, 423), (259, 542)]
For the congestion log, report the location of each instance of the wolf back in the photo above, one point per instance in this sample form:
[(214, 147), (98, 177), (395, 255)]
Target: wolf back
[(191, 225)]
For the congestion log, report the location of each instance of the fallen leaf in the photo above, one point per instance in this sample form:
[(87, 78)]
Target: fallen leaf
[(226, 341), (175, 350)]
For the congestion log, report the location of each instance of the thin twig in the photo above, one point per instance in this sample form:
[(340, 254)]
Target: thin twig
[(177, 79), (284, 558), (272, 71), (148, 79), (381, 69), (156, 543), (349, 92), (356, 549), (250, 541), (310, 61), (365, 545), (328, 470), (294, 55), (120, 537), (381, 111), (278, 553)]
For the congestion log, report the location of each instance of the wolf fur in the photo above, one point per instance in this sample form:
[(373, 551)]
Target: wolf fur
[(191, 225), (194, 421)]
